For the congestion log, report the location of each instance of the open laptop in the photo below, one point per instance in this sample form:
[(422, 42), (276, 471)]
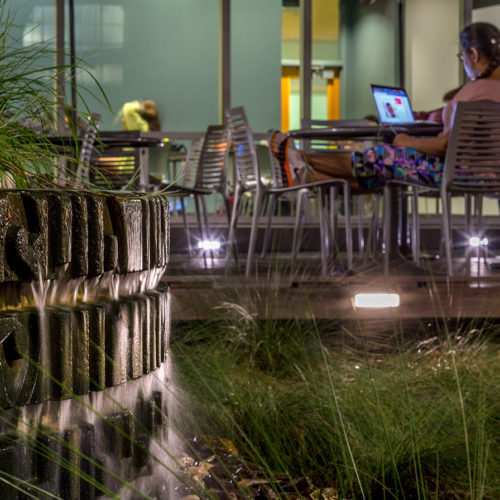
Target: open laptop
[(393, 106)]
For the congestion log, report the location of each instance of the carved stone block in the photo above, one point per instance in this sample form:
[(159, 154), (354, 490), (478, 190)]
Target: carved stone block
[(117, 343), (146, 234), (95, 210), (18, 358), (126, 218), (60, 226), (80, 236), (80, 325), (97, 351), (136, 338)]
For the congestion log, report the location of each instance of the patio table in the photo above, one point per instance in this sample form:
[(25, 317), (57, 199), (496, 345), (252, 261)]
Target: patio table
[(116, 151)]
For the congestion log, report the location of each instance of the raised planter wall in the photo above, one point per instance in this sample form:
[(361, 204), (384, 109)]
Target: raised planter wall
[(82, 315), (51, 234)]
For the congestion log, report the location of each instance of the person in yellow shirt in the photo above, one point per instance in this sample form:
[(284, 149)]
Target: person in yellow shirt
[(140, 115)]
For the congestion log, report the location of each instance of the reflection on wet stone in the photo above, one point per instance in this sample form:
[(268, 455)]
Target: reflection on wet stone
[(83, 322)]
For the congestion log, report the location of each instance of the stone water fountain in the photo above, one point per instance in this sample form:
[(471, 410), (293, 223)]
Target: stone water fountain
[(84, 331)]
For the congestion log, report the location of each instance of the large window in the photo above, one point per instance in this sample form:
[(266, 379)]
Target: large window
[(164, 50)]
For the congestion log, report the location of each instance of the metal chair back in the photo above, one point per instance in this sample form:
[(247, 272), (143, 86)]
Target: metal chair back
[(190, 173), (279, 151), (211, 172), (245, 156), (119, 168), (472, 162), (86, 150)]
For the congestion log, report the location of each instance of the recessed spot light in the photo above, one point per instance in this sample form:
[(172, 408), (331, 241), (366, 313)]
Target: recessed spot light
[(376, 300), (209, 245)]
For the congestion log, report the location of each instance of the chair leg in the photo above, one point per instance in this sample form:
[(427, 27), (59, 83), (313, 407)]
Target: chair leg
[(208, 231), (446, 227), (198, 218), (468, 213), (374, 230), (186, 227), (259, 195), (201, 228), (479, 211), (388, 224), (267, 235), (324, 234), (348, 225), (415, 227), (334, 191), (231, 243), (227, 205), (297, 230), (483, 250), (361, 237), (204, 211)]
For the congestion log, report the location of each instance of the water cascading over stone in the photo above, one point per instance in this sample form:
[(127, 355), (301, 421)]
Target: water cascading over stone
[(81, 310)]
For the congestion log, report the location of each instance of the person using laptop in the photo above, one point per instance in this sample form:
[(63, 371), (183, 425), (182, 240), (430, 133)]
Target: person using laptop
[(420, 159)]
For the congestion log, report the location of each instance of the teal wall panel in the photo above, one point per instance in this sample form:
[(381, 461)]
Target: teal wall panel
[(165, 50), (256, 61), (169, 54), (369, 52)]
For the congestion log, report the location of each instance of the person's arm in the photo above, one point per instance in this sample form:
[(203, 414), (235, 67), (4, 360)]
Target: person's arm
[(431, 145)]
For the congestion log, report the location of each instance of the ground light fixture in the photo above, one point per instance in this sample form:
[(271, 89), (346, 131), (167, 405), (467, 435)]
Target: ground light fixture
[(476, 241), (209, 245), (376, 300)]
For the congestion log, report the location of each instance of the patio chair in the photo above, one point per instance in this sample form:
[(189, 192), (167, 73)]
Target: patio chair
[(118, 168), (279, 178), (471, 167), (121, 161), (249, 179), (204, 174), (332, 146)]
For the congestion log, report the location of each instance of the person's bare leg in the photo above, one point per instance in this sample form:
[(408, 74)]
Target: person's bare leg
[(332, 166), (314, 175)]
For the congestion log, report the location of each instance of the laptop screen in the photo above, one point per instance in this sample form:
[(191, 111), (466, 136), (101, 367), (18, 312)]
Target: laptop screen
[(393, 105)]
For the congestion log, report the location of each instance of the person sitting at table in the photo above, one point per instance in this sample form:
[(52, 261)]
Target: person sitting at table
[(420, 159), (140, 115)]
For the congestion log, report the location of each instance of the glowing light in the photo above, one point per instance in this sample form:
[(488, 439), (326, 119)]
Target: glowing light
[(476, 241), (376, 300), (209, 245)]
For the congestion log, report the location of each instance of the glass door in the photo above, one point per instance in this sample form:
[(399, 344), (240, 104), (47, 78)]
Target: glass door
[(325, 58), (325, 96)]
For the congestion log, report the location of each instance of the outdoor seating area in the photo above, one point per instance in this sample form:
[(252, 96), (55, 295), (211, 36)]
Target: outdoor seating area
[(236, 262), (470, 168), (237, 181)]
